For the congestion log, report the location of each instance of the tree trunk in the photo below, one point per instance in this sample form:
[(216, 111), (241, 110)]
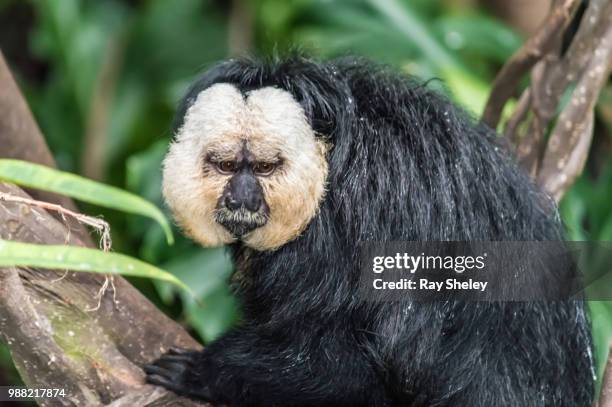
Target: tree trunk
[(571, 53), (48, 318)]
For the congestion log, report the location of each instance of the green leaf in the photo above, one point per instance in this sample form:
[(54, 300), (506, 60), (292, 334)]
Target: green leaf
[(469, 91), (40, 177), (464, 86), (481, 35), (415, 30), (206, 272), (218, 313), (601, 314), (17, 254), (574, 211)]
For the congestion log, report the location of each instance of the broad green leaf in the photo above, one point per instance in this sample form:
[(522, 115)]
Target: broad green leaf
[(48, 179), (464, 86), (466, 89), (416, 31), (206, 272), (217, 314), (481, 35), (6, 361), (17, 254), (143, 172), (601, 314), (573, 212)]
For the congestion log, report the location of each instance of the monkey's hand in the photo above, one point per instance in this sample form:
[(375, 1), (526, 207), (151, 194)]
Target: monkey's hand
[(179, 370)]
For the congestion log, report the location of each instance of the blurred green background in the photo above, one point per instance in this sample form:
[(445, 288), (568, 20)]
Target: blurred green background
[(103, 78)]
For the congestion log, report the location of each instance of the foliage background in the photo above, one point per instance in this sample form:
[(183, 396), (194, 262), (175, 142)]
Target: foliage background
[(103, 79)]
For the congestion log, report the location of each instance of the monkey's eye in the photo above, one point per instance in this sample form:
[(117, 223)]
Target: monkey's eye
[(264, 168), (227, 166)]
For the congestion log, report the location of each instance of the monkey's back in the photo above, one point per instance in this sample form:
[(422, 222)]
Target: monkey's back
[(433, 173)]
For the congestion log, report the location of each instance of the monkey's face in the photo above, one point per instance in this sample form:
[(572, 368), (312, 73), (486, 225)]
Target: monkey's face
[(245, 168)]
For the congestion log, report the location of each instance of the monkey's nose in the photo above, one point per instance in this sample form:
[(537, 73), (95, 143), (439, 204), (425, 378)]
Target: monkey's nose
[(243, 191), (231, 203), (252, 203)]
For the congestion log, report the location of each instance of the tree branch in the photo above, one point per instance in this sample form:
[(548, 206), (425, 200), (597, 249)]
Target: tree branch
[(53, 338), (508, 79), (554, 151), (569, 143)]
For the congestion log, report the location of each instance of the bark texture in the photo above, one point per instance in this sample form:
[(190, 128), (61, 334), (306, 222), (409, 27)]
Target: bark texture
[(46, 316), (571, 54)]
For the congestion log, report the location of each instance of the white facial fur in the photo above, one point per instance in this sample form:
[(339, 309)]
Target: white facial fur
[(271, 124)]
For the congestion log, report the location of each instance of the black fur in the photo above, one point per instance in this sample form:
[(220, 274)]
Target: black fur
[(406, 164)]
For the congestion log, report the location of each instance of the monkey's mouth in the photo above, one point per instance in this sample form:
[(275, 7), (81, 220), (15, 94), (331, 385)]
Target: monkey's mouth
[(241, 221)]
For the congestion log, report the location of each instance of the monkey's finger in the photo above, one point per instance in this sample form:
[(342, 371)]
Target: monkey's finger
[(178, 387), (178, 351), (182, 358), (158, 380), (154, 369), (170, 367)]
